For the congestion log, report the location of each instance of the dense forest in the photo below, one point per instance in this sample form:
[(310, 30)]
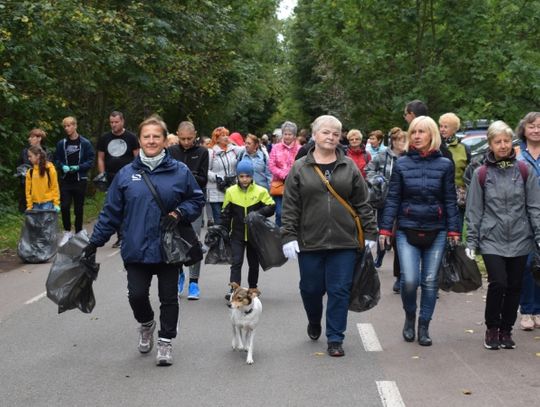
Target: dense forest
[(233, 63)]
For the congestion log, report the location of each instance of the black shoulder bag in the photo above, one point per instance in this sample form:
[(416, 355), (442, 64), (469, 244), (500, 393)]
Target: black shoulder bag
[(181, 244)]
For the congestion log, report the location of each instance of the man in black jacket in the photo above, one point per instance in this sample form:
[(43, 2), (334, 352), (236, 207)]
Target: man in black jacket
[(196, 158)]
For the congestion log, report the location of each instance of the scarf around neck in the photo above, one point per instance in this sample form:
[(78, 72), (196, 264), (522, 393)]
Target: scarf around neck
[(152, 162)]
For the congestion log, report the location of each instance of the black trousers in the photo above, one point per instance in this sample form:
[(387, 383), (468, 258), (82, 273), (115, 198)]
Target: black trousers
[(237, 247), (139, 276), (72, 191), (505, 276)]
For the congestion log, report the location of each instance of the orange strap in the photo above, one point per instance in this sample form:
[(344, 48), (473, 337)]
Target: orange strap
[(343, 202)]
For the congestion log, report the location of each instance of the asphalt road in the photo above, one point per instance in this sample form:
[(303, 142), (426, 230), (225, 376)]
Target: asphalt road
[(76, 359)]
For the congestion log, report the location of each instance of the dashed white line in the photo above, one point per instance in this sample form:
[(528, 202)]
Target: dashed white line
[(390, 395), (36, 298), (369, 338)]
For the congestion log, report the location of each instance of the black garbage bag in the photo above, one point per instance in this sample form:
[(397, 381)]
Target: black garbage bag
[(470, 278), (535, 267), (219, 245), (266, 237), (39, 235), (448, 275), (70, 279), (366, 286)]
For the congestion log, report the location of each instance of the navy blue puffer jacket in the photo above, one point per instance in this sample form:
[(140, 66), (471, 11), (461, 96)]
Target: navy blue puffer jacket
[(421, 194)]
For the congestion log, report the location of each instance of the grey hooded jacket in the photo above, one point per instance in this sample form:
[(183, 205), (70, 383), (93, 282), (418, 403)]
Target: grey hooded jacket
[(503, 216)]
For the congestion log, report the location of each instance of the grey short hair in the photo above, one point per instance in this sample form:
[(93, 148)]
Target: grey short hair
[(325, 119), (498, 127), (289, 126), (186, 125)]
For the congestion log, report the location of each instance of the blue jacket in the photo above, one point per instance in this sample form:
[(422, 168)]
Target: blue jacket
[(86, 157), (261, 173), (421, 194), (131, 205)]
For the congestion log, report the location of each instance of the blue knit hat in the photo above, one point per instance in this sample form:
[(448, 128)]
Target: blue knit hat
[(245, 167)]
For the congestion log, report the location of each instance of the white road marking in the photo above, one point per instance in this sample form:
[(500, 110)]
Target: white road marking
[(369, 338), (36, 298), (113, 253), (390, 395)]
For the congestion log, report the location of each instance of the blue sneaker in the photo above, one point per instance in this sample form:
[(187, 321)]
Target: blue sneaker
[(181, 280), (194, 292)]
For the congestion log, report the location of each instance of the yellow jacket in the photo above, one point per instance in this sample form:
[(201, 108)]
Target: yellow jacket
[(42, 189)]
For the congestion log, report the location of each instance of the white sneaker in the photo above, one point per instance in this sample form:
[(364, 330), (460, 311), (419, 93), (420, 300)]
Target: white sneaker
[(65, 237), (526, 323), (536, 319), (164, 353)]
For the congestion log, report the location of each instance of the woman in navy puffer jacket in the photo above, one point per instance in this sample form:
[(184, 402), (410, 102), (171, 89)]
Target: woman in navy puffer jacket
[(422, 197)]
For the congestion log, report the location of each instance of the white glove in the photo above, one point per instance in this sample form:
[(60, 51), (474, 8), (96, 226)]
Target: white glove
[(471, 254), (290, 249), (370, 244)]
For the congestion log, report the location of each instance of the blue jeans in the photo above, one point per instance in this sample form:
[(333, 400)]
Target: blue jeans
[(530, 292), (420, 267), (216, 211), (327, 272), (278, 199), (43, 206)]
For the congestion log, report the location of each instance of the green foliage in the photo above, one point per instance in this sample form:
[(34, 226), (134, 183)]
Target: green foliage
[(364, 60), (210, 61)]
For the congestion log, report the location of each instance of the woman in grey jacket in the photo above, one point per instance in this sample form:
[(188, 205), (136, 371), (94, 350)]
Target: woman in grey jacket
[(503, 223), (319, 228)]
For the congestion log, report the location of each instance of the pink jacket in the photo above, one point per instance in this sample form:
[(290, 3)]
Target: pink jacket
[(282, 159)]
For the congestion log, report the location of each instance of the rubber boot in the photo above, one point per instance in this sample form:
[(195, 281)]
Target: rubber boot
[(408, 328), (423, 333)]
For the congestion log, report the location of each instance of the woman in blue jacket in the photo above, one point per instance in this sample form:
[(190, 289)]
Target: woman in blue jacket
[(422, 197), (131, 206)]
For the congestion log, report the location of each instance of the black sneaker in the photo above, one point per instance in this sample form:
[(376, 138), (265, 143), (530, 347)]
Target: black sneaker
[(335, 349), (506, 341), (491, 340), (397, 286), (314, 331)]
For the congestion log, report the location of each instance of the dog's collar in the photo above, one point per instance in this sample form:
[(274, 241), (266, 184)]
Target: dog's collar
[(248, 312)]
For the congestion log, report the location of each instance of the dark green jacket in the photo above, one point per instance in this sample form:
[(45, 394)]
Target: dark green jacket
[(314, 217), (461, 158)]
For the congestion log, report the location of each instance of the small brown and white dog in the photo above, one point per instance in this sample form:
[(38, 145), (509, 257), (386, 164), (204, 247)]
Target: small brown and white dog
[(246, 309)]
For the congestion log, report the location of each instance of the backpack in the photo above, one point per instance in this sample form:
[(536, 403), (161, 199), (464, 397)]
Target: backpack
[(482, 173)]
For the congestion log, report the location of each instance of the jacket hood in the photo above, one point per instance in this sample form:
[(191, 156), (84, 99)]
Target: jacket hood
[(490, 158)]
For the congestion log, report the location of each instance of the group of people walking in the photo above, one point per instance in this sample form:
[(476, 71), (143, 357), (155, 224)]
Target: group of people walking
[(421, 205)]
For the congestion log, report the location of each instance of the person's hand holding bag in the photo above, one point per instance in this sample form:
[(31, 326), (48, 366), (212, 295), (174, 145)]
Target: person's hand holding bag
[(172, 219), (291, 249)]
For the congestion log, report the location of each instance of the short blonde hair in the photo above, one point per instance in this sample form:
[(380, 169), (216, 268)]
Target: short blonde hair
[(354, 132), (156, 121), (69, 120), (429, 124), (498, 127), (325, 119), (452, 119)]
